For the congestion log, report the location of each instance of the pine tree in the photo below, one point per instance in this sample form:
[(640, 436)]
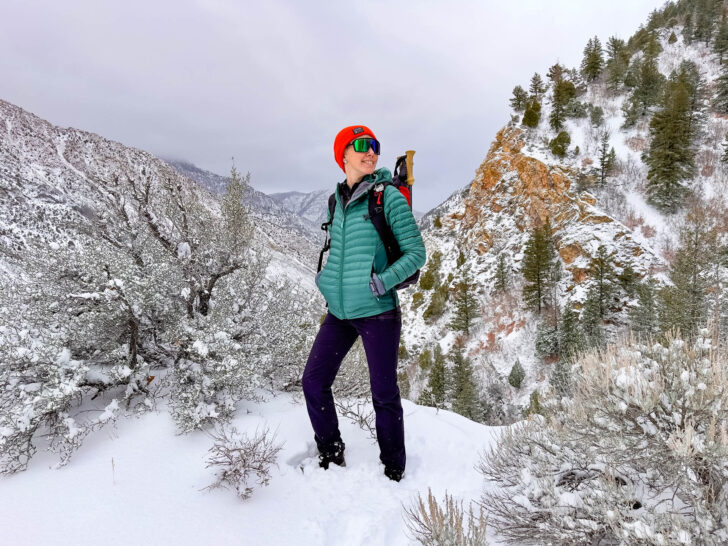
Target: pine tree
[(532, 115), (652, 47), (628, 280), (601, 271), (570, 338), (672, 39), (561, 377), (427, 280), (464, 393), (461, 259), (534, 405), (724, 158), (688, 29), (593, 62), (438, 303), (617, 62), (720, 42), (720, 101), (501, 279), (591, 321), (555, 73), (649, 84), (537, 87), (520, 99), (466, 305), (559, 145), (596, 115), (517, 375), (435, 394), (670, 156), (539, 258), (705, 17), (689, 75), (547, 338), (564, 91), (684, 303), (606, 158), (425, 360), (643, 318)]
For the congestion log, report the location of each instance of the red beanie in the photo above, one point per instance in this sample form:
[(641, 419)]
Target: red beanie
[(345, 136)]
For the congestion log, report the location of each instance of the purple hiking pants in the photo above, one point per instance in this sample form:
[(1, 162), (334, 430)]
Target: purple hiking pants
[(380, 336)]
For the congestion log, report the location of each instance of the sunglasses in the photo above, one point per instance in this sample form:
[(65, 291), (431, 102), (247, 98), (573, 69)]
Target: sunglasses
[(363, 145)]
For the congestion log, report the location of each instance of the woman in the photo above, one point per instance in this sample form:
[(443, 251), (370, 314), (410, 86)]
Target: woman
[(357, 283)]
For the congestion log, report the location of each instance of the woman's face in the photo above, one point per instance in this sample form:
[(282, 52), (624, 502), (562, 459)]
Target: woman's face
[(360, 163)]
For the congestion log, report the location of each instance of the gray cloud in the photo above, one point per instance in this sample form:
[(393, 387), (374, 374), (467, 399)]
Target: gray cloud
[(272, 82)]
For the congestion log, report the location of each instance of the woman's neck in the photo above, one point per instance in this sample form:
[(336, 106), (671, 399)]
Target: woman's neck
[(352, 180)]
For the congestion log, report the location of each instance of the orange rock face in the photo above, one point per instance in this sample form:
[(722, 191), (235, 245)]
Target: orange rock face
[(518, 190), (508, 179)]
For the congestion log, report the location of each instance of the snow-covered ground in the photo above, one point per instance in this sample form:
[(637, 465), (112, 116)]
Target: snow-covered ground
[(140, 483)]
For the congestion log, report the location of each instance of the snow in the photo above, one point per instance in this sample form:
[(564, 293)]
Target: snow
[(143, 483), (200, 347), (184, 251), (64, 357), (109, 412)]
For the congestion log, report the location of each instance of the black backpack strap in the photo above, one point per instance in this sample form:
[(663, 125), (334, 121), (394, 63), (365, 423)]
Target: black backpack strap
[(376, 215), (325, 227)]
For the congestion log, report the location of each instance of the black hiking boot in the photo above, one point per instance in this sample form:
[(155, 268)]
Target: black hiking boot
[(394, 474), (333, 455)]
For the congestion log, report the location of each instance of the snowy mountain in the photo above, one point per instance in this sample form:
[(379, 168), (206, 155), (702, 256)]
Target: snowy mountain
[(313, 206), (125, 281), (522, 183), (55, 183), (265, 207), (128, 288)]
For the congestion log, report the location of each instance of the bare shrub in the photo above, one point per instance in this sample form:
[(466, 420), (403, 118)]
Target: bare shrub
[(648, 231), (633, 219), (352, 391), (241, 463), (706, 161), (638, 456), (633, 171), (360, 412), (637, 143), (433, 525)]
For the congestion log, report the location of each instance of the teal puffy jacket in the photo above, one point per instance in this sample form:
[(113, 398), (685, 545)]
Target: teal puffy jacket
[(357, 251)]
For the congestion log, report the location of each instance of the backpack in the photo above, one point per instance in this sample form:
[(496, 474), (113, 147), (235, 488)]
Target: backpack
[(376, 215)]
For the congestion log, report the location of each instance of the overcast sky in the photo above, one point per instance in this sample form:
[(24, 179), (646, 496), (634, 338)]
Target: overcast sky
[(271, 82)]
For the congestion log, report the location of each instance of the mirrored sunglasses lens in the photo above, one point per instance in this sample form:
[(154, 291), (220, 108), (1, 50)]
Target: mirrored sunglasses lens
[(361, 145)]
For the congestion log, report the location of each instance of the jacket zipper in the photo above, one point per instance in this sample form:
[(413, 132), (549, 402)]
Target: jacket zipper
[(343, 249), (343, 261)]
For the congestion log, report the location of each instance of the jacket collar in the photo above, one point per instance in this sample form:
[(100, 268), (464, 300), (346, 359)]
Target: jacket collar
[(368, 182)]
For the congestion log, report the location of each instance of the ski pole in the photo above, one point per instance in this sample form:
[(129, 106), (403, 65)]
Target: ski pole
[(410, 165)]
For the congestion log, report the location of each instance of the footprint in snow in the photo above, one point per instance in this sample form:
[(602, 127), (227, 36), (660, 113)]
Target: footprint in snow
[(304, 458)]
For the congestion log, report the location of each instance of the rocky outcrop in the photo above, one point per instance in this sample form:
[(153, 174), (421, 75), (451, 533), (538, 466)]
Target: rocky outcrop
[(516, 189)]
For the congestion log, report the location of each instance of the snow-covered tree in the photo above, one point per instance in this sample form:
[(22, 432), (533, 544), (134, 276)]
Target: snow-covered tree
[(435, 394), (520, 99), (539, 258), (592, 63), (537, 86), (464, 391), (683, 302), (165, 293), (517, 375), (637, 457), (465, 303)]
